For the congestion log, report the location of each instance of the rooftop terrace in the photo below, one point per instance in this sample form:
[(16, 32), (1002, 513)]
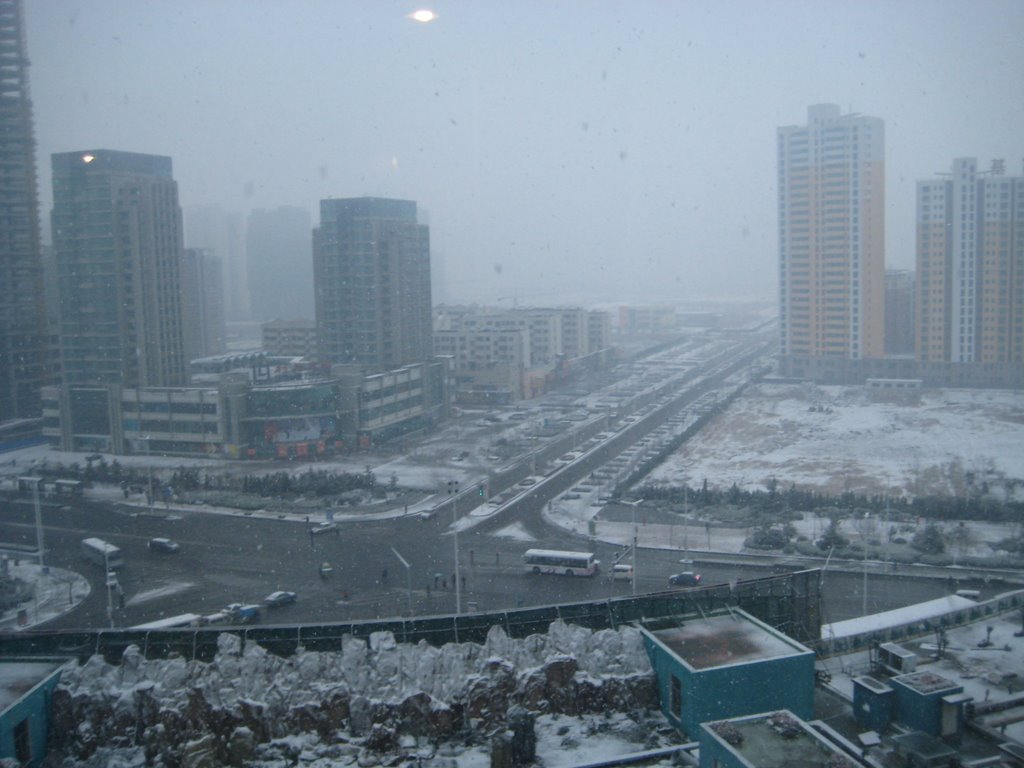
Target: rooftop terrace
[(725, 639)]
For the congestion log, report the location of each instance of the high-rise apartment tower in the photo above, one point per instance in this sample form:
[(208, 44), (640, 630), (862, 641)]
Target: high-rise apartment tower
[(279, 263), (117, 239), (970, 266), (371, 262), (22, 314), (831, 237)]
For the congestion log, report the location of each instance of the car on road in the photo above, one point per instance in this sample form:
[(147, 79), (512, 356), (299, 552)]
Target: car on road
[(622, 572), (316, 530), (166, 546), (279, 598), (220, 617), (685, 579), (243, 614), (527, 482)]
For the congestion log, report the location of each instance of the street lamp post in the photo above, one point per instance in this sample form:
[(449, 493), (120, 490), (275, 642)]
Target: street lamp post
[(633, 505), (864, 605), (149, 467), (453, 491), (106, 580), (39, 525), (408, 577)]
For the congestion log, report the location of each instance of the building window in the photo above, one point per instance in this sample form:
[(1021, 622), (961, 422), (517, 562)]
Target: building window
[(22, 743), (676, 704)]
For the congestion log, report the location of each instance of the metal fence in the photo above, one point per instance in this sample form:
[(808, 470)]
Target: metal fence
[(836, 646), (789, 602)]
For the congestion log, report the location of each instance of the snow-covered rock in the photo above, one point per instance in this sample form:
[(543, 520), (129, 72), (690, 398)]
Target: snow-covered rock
[(378, 694)]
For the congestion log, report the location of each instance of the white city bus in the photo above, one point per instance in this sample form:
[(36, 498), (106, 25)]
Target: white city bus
[(557, 561), (172, 622)]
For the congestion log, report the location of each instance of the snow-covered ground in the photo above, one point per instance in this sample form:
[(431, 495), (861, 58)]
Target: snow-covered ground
[(861, 440), (55, 591)]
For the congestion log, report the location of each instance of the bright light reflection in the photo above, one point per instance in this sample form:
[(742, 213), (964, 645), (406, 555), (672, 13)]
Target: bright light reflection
[(424, 16), (87, 158)]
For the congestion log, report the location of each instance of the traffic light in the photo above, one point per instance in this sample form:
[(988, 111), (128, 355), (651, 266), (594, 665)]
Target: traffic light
[(480, 491)]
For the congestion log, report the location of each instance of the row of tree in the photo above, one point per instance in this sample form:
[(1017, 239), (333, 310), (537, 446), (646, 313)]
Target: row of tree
[(186, 479), (778, 502)]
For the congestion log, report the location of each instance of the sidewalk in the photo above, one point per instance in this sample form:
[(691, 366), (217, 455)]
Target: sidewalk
[(57, 591)]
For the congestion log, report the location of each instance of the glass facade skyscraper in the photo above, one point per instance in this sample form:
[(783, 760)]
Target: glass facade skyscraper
[(117, 238), (22, 314), (371, 262)]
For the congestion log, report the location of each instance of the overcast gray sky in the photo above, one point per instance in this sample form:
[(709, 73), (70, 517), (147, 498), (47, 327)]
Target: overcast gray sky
[(565, 151)]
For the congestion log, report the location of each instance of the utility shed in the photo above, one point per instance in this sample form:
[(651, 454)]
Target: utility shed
[(767, 740), (930, 703), (726, 664), (873, 703), (26, 688)]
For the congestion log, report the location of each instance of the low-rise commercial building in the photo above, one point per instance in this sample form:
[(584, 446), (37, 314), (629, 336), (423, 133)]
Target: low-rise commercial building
[(260, 408)]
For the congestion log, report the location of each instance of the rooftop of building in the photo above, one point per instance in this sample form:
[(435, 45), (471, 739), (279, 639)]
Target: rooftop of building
[(776, 739), (18, 677), (927, 682), (724, 639)]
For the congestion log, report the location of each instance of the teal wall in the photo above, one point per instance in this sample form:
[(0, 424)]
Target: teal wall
[(921, 711), (34, 706), (715, 753), (733, 691), (873, 709)]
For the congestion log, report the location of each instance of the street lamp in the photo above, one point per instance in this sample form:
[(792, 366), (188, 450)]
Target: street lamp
[(39, 525), (633, 505), (864, 605), (453, 491), (149, 466), (106, 579), (408, 577)]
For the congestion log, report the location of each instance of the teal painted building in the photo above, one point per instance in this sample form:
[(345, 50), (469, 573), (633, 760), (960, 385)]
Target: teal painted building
[(930, 703), (726, 664), (26, 689), (768, 739)]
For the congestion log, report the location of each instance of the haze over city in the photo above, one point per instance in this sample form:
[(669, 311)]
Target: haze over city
[(564, 152)]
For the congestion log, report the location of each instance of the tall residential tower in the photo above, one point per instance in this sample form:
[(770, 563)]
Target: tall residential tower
[(117, 240), (970, 266), (22, 315), (831, 239), (371, 262)]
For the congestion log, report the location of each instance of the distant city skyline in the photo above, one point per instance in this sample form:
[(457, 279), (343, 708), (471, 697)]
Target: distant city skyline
[(621, 154)]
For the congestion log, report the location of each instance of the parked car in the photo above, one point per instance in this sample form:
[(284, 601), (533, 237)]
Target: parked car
[(275, 599), (685, 579), (316, 530), (167, 546)]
